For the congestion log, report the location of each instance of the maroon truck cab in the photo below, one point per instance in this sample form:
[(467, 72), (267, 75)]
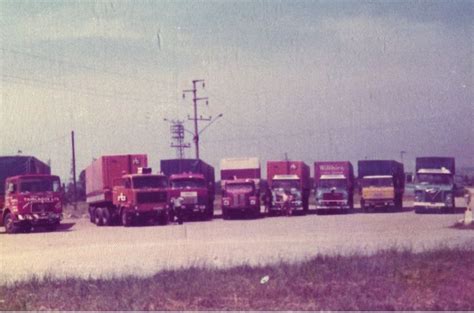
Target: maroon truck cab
[(240, 195), (32, 200), (191, 191), (240, 181)]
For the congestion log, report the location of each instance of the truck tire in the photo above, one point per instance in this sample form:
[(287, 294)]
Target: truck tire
[(98, 217), (126, 218), (106, 217), (225, 214), (163, 219), (92, 215), (10, 226), (362, 205)]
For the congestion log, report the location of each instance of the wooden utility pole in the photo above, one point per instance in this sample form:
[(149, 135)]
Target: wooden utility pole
[(74, 169)]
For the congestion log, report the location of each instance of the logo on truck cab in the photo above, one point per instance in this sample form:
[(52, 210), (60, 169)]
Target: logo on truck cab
[(121, 197)]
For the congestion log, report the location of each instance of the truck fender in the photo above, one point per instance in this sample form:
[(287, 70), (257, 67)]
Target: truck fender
[(4, 213)]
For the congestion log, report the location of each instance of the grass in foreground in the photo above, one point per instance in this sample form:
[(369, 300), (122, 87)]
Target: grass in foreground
[(389, 280)]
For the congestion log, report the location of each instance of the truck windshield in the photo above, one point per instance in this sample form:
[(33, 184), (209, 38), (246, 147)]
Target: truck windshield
[(188, 183), (435, 179), (239, 187), (377, 182), (286, 184), (149, 182), (40, 185), (332, 183)]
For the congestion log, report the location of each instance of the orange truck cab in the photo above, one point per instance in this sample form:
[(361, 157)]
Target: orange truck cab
[(30, 201), (122, 189)]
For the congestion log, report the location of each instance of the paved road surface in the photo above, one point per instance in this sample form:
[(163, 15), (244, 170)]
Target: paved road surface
[(82, 249)]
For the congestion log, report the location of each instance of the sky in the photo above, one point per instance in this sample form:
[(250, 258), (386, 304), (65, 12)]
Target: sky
[(312, 80)]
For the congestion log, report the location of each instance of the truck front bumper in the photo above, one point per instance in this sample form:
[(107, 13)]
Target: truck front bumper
[(279, 206), (332, 205), (194, 208), (38, 218), (430, 205), (241, 209), (377, 203)]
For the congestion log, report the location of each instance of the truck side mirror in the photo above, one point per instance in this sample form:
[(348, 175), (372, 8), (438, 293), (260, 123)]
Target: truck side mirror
[(11, 188)]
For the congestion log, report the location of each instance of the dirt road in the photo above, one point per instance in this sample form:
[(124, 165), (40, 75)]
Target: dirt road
[(82, 249)]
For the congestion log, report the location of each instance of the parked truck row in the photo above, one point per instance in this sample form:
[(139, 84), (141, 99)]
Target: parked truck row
[(122, 189)]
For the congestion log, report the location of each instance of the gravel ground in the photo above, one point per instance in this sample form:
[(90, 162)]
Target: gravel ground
[(82, 249)]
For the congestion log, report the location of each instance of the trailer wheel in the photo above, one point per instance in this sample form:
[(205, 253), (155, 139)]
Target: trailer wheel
[(126, 218), (98, 217), (9, 223)]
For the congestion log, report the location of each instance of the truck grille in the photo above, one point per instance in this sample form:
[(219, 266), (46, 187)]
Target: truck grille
[(333, 196), (239, 199), (433, 196), (151, 197), (42, 207), (190, 200)]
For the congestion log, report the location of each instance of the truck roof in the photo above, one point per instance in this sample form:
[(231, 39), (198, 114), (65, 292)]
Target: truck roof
[(187, 175), (240, 163), (286, 177), (33, 176), (148, 174), (434, 171)]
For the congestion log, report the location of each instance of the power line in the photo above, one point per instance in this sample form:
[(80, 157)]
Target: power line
[(81, 66), (83, 91)]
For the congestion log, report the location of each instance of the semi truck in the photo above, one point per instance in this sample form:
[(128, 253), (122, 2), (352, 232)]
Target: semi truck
[(121, 188), (434, 183), (240, 184), (288, 186), (334, 185), (29, 195), (382, 184), (191, 187)]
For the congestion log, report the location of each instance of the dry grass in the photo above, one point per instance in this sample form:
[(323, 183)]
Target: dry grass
[(389, 280)]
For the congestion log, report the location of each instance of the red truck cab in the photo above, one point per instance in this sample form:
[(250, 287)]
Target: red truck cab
[(240, 195), (141, 195), (192, 191), (32, 200)]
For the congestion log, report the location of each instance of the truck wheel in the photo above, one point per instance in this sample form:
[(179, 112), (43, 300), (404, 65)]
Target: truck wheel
[(225, 214), (92, 215), (126, 219), (10, 226), (362, 205), (163, 219), (98, 217), (106, 217)]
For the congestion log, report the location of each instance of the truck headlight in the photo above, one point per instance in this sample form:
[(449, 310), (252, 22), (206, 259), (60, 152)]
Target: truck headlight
[(449, 199), (418, 196), (225, 202), (253, 202)]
